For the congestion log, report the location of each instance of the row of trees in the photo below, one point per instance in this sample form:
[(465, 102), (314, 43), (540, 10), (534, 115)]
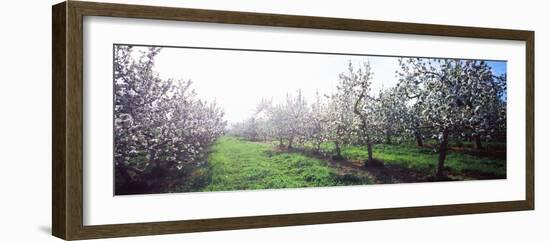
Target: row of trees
[(161, 128), (434, 98)]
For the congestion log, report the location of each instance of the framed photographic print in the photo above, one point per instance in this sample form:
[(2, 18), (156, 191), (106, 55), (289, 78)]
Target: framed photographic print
[(171, 120)]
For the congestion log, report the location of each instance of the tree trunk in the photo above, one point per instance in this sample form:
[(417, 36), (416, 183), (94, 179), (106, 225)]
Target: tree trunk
[(388, 138), (369, 150), (478, 142), (281, 145), (338, 150), (318, 146), (418, 137), (152, 154), (290, 143), (442, 155)]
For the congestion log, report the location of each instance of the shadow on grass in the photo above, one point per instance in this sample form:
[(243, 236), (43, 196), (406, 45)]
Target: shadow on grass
[(386, 173)]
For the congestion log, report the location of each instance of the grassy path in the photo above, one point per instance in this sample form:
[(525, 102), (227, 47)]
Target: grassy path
[(236, 164), (243, 165)]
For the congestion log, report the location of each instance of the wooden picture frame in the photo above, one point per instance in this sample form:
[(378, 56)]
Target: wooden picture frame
[(67, 119)]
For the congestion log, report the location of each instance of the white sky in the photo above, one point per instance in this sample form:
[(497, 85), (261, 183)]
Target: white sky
[(237, 80)]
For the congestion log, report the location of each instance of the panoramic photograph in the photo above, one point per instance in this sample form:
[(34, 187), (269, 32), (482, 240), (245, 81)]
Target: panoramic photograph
[(192, 119)]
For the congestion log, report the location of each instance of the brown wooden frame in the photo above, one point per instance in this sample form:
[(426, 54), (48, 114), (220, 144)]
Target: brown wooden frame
[(67, 121)]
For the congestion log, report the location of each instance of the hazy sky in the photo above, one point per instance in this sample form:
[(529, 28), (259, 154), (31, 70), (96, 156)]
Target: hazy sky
[(237, 80)]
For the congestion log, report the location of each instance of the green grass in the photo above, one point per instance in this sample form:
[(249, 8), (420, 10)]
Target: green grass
[(242, 165), (237, 164), (424, 159)]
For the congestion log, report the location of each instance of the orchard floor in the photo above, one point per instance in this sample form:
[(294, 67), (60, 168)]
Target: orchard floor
[(236, 164)]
